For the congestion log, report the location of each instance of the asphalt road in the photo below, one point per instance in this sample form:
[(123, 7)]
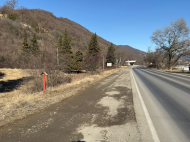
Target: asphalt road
[(167, 99), (103, 112)]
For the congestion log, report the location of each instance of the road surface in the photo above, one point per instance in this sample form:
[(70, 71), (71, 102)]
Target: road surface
[(167, 100)]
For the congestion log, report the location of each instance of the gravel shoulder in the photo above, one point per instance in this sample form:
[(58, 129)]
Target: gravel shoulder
[(103, 112)]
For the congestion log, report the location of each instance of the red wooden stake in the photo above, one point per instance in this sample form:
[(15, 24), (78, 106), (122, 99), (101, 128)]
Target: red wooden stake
[(44, 82)]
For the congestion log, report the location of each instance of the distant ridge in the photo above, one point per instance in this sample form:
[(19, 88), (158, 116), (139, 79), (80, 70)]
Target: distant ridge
[(132, 50)]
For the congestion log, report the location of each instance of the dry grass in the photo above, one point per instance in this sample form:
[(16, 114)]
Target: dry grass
[(13, 74), (173, 70), (17, 105)]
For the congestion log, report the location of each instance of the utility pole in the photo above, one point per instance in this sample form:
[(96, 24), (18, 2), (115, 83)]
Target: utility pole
[(116, 62), (57, 56), (120, 62)]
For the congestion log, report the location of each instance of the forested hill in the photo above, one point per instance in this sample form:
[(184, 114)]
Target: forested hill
[(47, 28)]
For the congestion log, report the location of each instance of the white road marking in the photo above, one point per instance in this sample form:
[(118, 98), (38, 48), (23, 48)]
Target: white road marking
[(169, 74), (172, 73), (150, 124), (170, 79)]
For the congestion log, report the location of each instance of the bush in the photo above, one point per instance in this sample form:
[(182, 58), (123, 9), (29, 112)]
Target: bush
[(10, 27), (13, 16), (35, 26), (54, 78)]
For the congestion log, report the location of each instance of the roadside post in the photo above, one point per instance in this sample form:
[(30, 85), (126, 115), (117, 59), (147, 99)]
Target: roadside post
[(44, 80), (120, 62), (116, 63)]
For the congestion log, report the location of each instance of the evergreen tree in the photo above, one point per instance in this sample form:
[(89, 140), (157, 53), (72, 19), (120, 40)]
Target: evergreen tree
[(59, 46), (60, 40), (93, 46), (34, 45), (66, 44), (66, 55), (77, 61), (25, 46), (25, 54), (110, 55), (79, 56), (93, 57)]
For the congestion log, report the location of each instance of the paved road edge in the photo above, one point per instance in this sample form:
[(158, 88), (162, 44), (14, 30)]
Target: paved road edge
[(140, 115)]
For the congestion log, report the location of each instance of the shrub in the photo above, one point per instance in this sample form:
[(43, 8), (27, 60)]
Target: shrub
[(35, 27), (13, 16), (54, 78)]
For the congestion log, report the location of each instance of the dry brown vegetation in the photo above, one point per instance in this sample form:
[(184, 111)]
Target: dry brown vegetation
[(48, 30), (21, 90), (20, 102)]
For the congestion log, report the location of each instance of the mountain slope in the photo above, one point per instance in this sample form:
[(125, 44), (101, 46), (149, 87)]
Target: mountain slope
[(132, 50), (47, 27)]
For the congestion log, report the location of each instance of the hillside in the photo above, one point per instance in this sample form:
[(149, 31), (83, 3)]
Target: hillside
[(47, 27), (133, 50)]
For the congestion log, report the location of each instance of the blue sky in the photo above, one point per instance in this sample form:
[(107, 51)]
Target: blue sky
[(122, 22)]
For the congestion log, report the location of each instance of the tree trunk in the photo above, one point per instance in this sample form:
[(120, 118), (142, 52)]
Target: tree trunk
[(169, 62), (57, 56)]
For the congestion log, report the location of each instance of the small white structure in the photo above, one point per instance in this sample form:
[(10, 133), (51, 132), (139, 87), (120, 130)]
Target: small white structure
[(130, 62), (109, 64), (186, 68), (182, 67)]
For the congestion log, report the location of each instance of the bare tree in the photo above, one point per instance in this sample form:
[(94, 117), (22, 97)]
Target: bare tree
[(173, 41), (12, 3), (5, 9), (155, 58)]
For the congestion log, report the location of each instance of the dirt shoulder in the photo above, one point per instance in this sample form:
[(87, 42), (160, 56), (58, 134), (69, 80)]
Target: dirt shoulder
[(16, 104), (102, 112)]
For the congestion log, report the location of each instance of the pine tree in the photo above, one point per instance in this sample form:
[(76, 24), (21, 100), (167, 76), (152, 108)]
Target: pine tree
[(59, 42), (79, 56), (93, 46), (34, 45), (59, 46), (93, 57), (110, 55), (25, 46), (25, 54), (66, 44), (66, 55), (77, 61)]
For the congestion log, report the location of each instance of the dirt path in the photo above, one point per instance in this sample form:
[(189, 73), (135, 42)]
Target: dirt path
[(103, 112)]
